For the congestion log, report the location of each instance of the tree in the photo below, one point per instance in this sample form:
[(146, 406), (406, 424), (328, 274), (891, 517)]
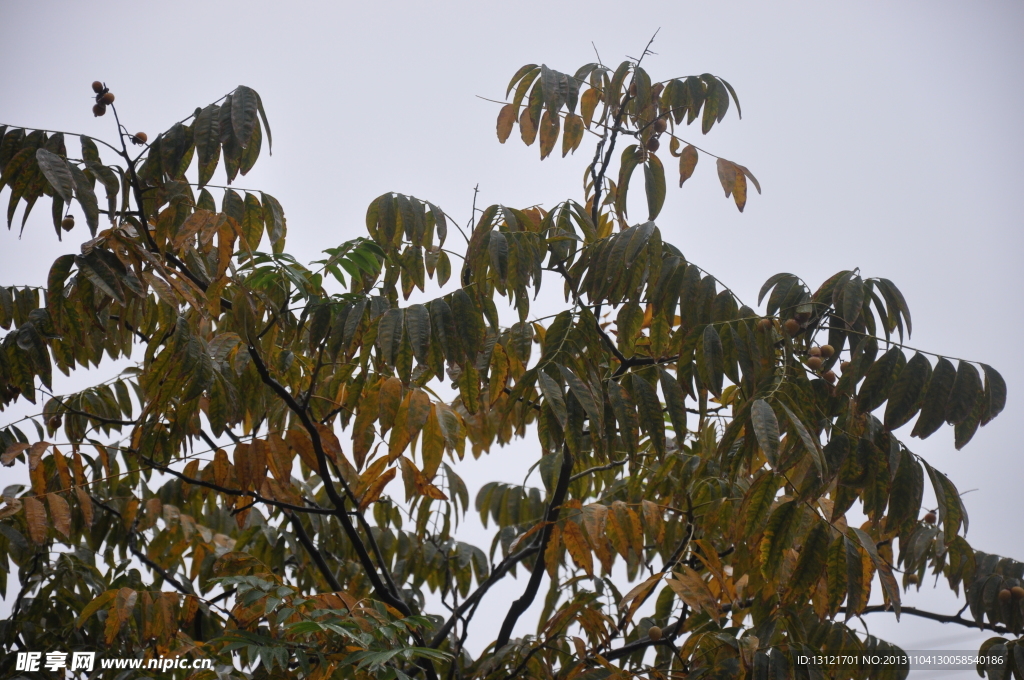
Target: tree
[(202, 503)]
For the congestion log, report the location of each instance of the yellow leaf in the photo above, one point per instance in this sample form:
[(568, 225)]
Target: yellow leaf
[(367, 412), (62, 469), (553, 551), (692, 590), (120, 609), (687, 163), (390, 400), (376, 488), (411, 417), (433, 444), (60, 512), (638, 595), (577, 546), (243, 466), (99, 602), (739, 191), (35, 517), (727, 175), (549, 127)]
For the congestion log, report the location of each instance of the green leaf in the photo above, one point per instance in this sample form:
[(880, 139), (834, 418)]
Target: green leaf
[(905, 397), (995, 394), (877, 380), (812, 561), (468, 323), (766, 428), (252, 222), (783, 526), (964, 394), (207, 138), (417, 323), (86, 198), (625, 414), (757, 503), (649, 408), (809, 442), (933, 410), (55, 170), (244, 109), (631, 157), (654, 184), (714, 360), (675, 402), (553, 396), (835, 570), (586, 398)]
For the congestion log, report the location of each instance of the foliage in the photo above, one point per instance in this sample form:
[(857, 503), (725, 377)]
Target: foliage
[(201, 501)]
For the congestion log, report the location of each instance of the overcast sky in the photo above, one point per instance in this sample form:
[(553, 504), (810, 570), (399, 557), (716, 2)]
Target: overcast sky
[(886, 136)]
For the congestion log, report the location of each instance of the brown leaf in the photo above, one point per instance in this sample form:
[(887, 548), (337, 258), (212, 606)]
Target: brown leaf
[(120, 609), (506, 120), (62, 469), (549, 127), (329, 442), (12, 452), (637, 595), (243, 466), (221, 468), (84, 504), (433, 444), (527, 128), (553, 551), (13, 507), (390, 400), (727, 175), (60, 513), (35, 517)]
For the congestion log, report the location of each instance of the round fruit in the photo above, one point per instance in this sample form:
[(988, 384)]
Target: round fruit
[(654, 632), (99, 110), (803, 316), (1005, 595), (142, 137), (107, 98), (830, 377), (54, 422), (827, 351), (660, 125), (913, 579), (1017, 592), (68, 223), (97, 86), (845, 366), (792, 326), (656, 89), (814, 351), (653, 144), (765, 324), (930, 518), (814, 363)]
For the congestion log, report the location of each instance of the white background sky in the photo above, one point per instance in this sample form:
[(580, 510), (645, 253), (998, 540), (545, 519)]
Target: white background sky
[(885, 136)]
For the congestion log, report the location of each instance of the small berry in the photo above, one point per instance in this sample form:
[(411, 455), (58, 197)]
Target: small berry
[(845, 366), (814, 363), (930, 518), (140, 138), (830, 377), (98, 110), (654, 633), (792, 326), (913, 579), (660, 125), (814, 351), (653, 144), (827, 351), (107, 98), (1005, 595), (1017, 592), (765, 324), (68, 223), (97, 86)]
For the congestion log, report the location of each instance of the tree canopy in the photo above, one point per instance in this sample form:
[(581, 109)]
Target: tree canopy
[(234, 493)]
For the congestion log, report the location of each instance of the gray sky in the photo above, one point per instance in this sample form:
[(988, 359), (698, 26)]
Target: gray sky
[(884, 135)]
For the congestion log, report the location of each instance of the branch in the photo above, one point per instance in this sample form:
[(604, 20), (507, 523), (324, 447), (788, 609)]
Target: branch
[(941, 618), (497, 574), (554, 509), (316, 510), (380, 588), (314, 553)]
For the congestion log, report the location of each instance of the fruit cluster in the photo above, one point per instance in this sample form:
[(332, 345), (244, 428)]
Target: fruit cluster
[(104, 98)]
